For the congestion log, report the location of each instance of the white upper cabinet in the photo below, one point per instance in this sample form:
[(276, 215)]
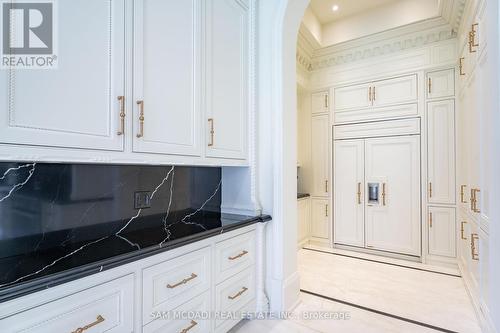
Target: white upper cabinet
[(320, 160), (320, 102), (349, 201), (167, 76), (75, 105), (442, 231), (395, 91), (392, 180), (227, 61), (377, 100), (441, 83), (441, 152), (353, 97)]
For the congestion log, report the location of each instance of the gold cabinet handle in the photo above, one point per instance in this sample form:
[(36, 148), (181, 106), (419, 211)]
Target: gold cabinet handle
[(326, 100), (370, 94), (241, 292), (374, 94), (186, 280), (383, 193), (472, 38), (472, 198), (99, 320), (141, 119), (326, 210), (430, 189), (326, 186), (462, 230), (430, 219), (238, 256), (473, 248), (462, 193), (474, 204), (190, 327), (430, 85), (121, 100), (461, 66), (211, 121), (359, 193)]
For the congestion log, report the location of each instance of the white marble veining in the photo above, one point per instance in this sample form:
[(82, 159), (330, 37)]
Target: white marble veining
[(17, 186)]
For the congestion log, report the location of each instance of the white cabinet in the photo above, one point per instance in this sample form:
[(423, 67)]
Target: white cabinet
[(395, 91), (376, 100), (392, 180), (227, 70), (303, 220), (167, 84), (75, 105), (441, 152), (353, 97), (320, 225), (441, 83), (320, 103), (442, 231), (320, 161), (349, 202)]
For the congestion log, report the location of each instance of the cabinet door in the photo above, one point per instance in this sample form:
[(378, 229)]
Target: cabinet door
[(320, 223), (76, 104), (395, 91), (352, 97), (319, 102), (442, 231), (304, 218), (392, 170), (167, 82), (441, 83), (349, 166), (227, 78), (320, 155), (441, 152)]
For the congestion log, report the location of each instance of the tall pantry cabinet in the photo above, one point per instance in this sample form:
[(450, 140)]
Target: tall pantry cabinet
[(321, 211)]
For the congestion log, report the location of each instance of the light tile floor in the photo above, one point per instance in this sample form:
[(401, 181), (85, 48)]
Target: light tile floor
[(426, 297)]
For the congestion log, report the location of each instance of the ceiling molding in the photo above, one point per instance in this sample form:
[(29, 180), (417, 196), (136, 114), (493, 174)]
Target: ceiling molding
[(329, 57)]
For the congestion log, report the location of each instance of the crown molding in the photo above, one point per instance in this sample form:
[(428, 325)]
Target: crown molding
[(311, 56)]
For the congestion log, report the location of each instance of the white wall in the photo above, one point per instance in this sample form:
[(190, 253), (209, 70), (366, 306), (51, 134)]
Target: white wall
[(387, 17), (312, 24)]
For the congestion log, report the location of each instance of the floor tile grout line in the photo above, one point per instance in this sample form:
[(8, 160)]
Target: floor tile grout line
[(386, 314), (382, 262)]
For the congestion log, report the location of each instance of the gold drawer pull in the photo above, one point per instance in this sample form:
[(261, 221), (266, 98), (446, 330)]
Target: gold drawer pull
[(121, 99), (383, 194), (430, 220), (370, 94), (430, 86), (99, 320), (141, 119), (462, 193), (474, 204), (326, 186), (474, 254), (430, 189), (462, 230), (359, 193), (238, 256), (192, 277), (212, 132), (191, 326), (461, 66), (241, 292)]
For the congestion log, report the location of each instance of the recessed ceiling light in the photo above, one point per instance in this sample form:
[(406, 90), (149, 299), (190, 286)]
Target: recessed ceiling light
[(335, 8)]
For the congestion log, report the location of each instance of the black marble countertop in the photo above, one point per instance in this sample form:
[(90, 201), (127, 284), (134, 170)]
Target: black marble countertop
[(91, 263), (303, 195)]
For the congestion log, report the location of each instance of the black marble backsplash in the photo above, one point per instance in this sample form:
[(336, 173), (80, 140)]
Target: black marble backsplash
[(55, 217)]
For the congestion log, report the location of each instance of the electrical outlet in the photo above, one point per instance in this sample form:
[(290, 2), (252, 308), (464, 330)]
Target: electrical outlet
[(142, 200)]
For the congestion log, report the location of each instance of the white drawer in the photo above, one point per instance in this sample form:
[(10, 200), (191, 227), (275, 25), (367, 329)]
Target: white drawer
[(234, 255), (186, 318), (172, 283), (234, 295), (108, 308)]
